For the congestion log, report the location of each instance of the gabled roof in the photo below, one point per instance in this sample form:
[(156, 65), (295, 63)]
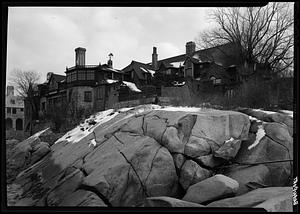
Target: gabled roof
[(139, 68), (208, 54), (57, 77)]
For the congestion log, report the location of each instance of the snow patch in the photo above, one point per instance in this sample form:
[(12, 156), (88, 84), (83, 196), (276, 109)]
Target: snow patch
[(177, 64), (110, 81), (132, 86), (38, 133), (267, 112), (88, 126), (148, 71), (254, 119), (230, 140), (124, 109), (93, 142), (178, 83), (289, 113), (259, 135), (181, 108)]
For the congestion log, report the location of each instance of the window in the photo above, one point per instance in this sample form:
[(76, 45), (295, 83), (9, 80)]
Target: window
[(69, 77), (168, 72), (90, 75), (12, 101), (14, 110), (21, 109), (9, 110), (81, 75), (218, 81), (73, 76), (87, 96), (99, 94)]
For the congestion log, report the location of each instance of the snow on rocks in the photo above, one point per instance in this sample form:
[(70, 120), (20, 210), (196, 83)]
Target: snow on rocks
[(254, 119), (181, 108), (130, 155), (290, 113), (259, 135), (81, 131)]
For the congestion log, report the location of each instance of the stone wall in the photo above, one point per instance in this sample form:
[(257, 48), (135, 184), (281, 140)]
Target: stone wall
[(181, 94), (77, 97), (131, 103)]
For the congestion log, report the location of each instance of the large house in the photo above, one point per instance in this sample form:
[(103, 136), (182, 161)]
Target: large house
[(89, 87), (217, 69), (98, 87), (14, 110)]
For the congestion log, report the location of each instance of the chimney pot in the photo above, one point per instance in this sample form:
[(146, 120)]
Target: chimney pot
[(190, 48), (80, 56), (154, 58)]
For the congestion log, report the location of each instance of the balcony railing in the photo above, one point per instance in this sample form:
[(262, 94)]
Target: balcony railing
[(82, 66)]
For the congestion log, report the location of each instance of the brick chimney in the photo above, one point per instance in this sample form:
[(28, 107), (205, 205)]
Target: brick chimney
[(10, 90), (154, 59), (190, 48), (80, 56)]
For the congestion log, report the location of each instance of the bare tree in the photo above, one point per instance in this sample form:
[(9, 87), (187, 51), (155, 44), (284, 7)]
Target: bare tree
[(262, 34), (26, 83)]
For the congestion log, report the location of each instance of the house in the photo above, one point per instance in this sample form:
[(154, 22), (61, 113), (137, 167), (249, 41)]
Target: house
[(207, 69), (14, 110), (87, 87)]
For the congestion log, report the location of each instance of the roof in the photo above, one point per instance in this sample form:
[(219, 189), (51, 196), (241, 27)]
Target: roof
[(139, 68), (56, 77), (208, 54)]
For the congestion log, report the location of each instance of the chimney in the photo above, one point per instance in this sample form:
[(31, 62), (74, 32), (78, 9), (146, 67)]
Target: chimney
[(10, 90), (110, 62), (154, 59), (190, 48), (80, 56)]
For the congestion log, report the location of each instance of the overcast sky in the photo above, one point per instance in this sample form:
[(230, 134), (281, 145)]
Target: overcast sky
[(44, 38)]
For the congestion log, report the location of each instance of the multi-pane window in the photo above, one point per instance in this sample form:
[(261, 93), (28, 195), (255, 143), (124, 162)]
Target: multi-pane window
[(218, 81), (81, 75), (87, 96), (12, 101), (69, 77), (14, 110), (90, 75), (9, 110), (73, 76)]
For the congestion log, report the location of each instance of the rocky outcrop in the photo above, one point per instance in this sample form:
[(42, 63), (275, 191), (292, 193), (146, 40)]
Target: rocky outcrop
[(29, 152), (164, 201), (253, 198), (211, 189), (153, 156)]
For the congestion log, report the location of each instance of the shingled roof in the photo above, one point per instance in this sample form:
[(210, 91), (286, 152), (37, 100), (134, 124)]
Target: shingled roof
[(217, 54)]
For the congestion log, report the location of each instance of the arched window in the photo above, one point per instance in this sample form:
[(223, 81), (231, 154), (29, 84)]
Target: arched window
[(8, 123), (19, 124)]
